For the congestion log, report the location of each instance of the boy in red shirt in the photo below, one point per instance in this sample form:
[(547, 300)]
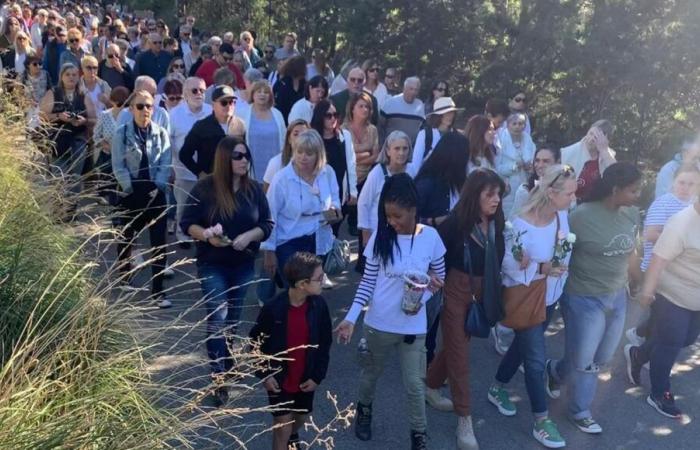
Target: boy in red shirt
[(296, 325)]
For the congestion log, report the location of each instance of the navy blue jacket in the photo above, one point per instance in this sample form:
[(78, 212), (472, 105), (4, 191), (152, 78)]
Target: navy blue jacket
[(270, 330), (433, 198)]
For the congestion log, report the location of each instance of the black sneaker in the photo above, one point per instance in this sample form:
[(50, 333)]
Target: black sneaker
[(634, 367), (418, 440), (666, 405), (363, 422), (293, 442)]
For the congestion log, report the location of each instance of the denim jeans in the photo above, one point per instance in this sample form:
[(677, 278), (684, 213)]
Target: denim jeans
[(224, 291), (528, 347), (382, 346), (673, 328), (593, 327)]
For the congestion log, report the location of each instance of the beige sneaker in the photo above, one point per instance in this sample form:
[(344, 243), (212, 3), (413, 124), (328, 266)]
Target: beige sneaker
[(465, 434), (435, 399)]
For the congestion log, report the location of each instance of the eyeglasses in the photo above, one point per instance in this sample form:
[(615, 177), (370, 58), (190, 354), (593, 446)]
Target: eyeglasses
[(186, 34), (73, 41), (112, 55), (174, 98), (142, 106), (519, 99), (90, 67), (331, 115), (226, 103), (237, 156), (373, 69), (196, 91), (316, 280), (156, 42), (178, 66), (389, 76), (567, 171), (356, 80)]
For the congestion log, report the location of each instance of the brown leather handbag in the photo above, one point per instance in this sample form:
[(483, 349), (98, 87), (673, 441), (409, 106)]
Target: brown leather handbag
[(525, 306)]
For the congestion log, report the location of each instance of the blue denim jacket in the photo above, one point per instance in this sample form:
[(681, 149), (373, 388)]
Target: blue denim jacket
[(126, 156)]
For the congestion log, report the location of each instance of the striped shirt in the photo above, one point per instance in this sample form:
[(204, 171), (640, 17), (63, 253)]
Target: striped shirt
[(658, 214)]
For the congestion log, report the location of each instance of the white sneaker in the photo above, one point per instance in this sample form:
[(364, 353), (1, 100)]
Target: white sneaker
[(326, 283), (138, 259), (164, 303), (465, 434), (498, 341), (434, 398), (634, 338)]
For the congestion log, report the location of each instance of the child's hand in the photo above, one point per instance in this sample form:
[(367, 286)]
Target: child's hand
[(308, 386), (271, 384), (344, 331)]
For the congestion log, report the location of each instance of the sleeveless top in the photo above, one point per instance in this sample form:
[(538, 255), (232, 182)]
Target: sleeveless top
[(77, 106)]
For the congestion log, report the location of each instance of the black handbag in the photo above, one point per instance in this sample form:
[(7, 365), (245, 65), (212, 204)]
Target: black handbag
[(476, 324)]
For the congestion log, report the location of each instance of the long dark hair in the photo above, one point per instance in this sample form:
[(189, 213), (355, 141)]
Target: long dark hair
[(431, 98), (467, 211), (476, 130), (222, 177), (319, 115), (400, 190), (619, 175), (448, 161), (555, 151)]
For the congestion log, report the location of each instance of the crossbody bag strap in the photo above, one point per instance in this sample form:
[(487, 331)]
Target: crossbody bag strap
[(468, 264)]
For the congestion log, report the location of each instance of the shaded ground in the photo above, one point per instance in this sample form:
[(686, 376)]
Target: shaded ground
[(628, 422)]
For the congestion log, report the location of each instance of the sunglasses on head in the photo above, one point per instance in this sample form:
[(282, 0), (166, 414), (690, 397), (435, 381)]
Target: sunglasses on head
[(237, 156), (567, 171), (196, 91), (331, 115), (142, 106), (174, 98)]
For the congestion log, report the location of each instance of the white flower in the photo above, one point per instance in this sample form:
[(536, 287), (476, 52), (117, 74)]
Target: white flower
[(509, 226), (571, 238)]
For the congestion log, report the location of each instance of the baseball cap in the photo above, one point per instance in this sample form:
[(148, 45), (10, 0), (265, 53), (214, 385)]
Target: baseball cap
[(222, 91)]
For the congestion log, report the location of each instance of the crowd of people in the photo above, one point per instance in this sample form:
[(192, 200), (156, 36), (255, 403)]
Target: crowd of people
[(253, 153)]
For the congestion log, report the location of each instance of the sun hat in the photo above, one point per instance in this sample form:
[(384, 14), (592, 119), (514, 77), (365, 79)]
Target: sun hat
[(443, 105)]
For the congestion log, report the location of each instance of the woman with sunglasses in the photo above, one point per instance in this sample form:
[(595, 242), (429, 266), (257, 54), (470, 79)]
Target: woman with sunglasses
[(113, 70), (176, 71), (172, 95), (518, 104), (12, 60), (540, 266), (10, 27), (594, 302), (439, 122), (141, 161), (97, 89), (340, 152), (439, 89), (373, 83), (74, 52), (227, 216), (35, 79), (303, 199)]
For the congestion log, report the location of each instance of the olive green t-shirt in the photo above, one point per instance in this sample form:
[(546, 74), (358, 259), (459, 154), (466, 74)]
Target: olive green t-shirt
[(604, 240)]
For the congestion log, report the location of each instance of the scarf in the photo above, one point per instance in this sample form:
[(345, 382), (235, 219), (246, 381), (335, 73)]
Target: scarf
[(491, 283)]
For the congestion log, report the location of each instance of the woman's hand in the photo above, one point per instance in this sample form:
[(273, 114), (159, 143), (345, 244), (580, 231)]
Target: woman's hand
[(435, 283), (216, 242), (106, 147), (351, 201), (557, 271), (308, 386), (270, 263), (78, 121), (271, 384), (344, 330), (64, 117), (524, 261), (242, 241)]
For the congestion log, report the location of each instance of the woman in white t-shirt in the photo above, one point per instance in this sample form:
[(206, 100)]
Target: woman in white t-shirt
[(541, 233), (398, 247), (282, 159)]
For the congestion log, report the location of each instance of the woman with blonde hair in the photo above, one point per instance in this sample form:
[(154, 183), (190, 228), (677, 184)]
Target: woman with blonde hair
[(373, 83), (304, 202), (13, 59), (228, 216), (265, 127), (97, 89), (281, 160), (74, 51)]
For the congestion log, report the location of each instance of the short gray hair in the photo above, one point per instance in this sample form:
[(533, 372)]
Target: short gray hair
[(252, 75), (411, 80)]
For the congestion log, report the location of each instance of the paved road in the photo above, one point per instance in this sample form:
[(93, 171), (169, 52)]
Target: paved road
[(621, 409)]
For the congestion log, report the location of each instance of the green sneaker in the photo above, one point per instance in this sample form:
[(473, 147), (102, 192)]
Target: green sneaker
[(547, 434), (500, 399)]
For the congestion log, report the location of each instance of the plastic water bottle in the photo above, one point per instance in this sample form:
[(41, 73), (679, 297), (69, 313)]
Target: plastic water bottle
[(364, 355)]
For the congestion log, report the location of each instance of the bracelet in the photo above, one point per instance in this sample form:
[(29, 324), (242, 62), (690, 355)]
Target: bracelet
[(539, 268)]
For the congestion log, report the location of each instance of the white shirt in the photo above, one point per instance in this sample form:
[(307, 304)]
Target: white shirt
[(507, 159), (296, 208), (368, 202), (380, 93), (384, 311), (273, 166), (181, 121), (302, 109), (538, 243)]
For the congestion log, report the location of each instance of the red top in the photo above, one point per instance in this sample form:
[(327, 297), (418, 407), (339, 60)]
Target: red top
[(587, 178), (208, 67), (297, 336)]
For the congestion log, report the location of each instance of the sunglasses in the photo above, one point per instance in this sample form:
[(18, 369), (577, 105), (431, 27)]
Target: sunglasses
[(373, 69), (227, 58), (226, 103), (112, 55), (73, 41), (567, 171), (36, 64), (90, 67), (389, 76), (237, 156), (268, 52), (21, 38), (519, 99), (196, 91), (186, 34), (156, 42), (174, 98), (178, 66), (440, 89), (331, 115), (356, 80), (142, 106)]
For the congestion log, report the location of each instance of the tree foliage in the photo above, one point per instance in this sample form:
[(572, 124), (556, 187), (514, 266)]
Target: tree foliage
[(632, 61)]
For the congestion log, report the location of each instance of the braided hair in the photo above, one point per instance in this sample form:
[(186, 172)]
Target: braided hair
[(400, 190)]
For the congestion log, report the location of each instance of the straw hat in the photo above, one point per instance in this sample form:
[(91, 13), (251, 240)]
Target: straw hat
[(443, 105)]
